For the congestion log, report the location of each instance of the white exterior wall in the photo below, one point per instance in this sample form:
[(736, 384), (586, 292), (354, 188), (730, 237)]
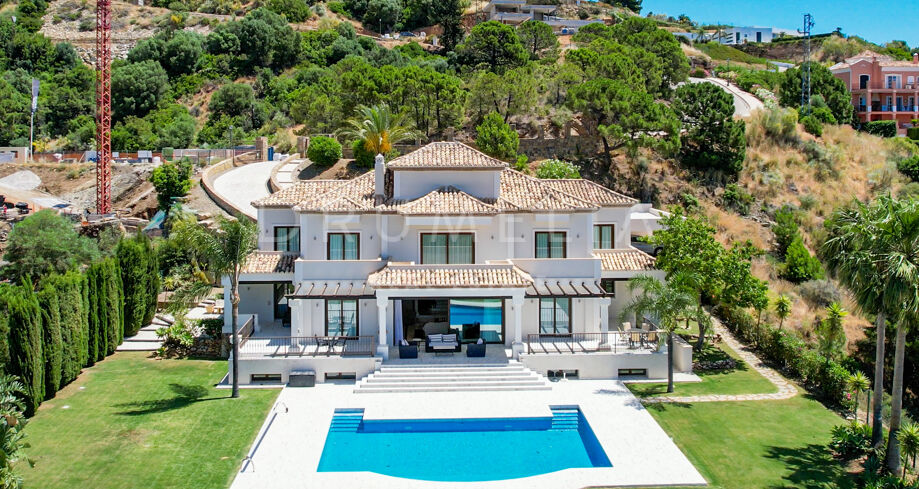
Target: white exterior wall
[(619, 216), (268, 219), (256, 299), (312, 318), (747, 34), (411, 184)]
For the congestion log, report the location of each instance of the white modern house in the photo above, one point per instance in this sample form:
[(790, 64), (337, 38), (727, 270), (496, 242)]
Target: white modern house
[(446, 252)]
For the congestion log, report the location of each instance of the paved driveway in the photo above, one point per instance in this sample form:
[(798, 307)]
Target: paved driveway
[(744, 103), (286, 453), (240, 186)]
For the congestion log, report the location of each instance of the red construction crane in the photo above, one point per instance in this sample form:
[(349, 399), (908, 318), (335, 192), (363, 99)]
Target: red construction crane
[(103, 107)]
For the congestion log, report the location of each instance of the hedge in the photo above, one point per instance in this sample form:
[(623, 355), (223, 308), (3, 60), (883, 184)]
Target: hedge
[(913, 133), (73, 320), (324, 151), (26, 361), (826, 378), (52, 341), (140, 281), (884, 129)]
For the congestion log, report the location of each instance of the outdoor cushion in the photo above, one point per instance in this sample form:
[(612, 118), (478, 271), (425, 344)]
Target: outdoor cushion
[(404, 343), (480, 342), (449, 338), (435, 338)]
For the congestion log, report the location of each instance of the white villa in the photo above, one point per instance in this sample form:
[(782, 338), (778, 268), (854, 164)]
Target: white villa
[(446, 252)]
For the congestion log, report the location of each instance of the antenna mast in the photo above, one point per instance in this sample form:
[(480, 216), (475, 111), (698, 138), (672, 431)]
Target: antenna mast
[(806, 67)]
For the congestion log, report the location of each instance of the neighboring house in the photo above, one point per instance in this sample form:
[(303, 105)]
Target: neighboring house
[(743, 35), (444, 239), (516, 12), (882, 88)]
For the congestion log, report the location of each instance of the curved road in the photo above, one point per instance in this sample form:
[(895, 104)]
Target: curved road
[(744, 103), (240, 186)]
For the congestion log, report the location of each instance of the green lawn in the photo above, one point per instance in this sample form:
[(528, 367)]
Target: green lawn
[(756, 444), (740, 380), (132, 421)]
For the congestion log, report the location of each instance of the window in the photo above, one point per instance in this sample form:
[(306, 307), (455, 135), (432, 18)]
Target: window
[(603, 236), (863, 81), (341, 317), (551, 245), (893, 81), (910, 80), (555, 315), (443, 248), (632, 371), (609, 286), (265, 378), (287, 238), (344, 246), (478, 318)]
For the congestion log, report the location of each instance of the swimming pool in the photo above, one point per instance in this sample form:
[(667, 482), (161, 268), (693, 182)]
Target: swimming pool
[(461, 450)]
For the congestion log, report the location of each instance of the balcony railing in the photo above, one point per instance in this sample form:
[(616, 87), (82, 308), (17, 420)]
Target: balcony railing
[(613, 342), (306, 346)]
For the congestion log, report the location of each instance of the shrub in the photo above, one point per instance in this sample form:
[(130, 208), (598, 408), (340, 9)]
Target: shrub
[(823, 114), (800, 265), (735, 197), (780, 125), (689, 201), (324, 151), (698, 73), (178, 334), (819, 293), (910, 190), (364, 158), (557, 169), (496, 138), (785, 229), (812, 125), (338, 8), (212, 327), (850, 441), (913, 133), (884, 129), (910, 167), (26, 359)]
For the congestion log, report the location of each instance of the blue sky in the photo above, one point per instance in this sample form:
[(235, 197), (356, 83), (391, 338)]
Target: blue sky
[(862, 18)]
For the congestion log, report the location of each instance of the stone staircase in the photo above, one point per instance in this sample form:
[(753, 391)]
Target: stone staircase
[(512, 376), (146, 339)]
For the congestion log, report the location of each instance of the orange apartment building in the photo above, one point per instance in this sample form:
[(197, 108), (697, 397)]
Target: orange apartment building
[(882, 88)]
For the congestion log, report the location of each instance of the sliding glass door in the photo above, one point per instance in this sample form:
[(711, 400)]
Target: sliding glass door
[(478, 318)]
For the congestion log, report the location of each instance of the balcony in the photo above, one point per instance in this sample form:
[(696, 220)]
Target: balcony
[(306, 346), (611, 342)]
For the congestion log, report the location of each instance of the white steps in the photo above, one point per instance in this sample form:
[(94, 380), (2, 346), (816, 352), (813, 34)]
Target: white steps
[(452, 378), (146, 339)]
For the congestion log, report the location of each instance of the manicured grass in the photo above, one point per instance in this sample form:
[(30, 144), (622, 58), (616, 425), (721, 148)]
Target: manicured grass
[(757, 444), (133, 421), (740, 380)]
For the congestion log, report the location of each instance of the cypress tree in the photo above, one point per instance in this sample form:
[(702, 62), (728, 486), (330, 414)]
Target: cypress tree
[(115, 306), (4, 324), (70, 302), (52, 342), (26, 344), (140, 282), (84, 320), (95, 339)]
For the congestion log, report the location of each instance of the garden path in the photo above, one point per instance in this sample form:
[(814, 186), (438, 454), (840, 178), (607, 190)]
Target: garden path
[(785, 388)]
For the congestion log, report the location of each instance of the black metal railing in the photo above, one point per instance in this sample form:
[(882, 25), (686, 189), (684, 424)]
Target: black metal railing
[(306, 346), (613, 341)]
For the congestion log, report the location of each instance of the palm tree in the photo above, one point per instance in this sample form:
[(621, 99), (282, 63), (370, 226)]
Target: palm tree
[(859, 383), (665, 301), (909, 440), (378, 128), (224, 251), (782, 308), (12, 434), (832, 337), (855, 254)]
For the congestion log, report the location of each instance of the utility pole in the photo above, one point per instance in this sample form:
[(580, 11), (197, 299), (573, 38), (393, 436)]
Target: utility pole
[(32, 118), (806, 67)]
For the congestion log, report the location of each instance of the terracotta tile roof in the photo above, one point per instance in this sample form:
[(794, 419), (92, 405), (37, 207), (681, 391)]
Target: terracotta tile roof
[(630, 260), (869, 55), (591, 192), (446, 155), (447, 200), (401, 275), (532, 194), (270, 262), (298, 192), (518, 193)]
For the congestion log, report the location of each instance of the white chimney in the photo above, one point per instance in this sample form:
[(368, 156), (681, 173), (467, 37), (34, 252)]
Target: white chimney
[(916, 58), (379, 178)]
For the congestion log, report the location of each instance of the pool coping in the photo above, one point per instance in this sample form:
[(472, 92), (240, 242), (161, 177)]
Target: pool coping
[(642, 454)]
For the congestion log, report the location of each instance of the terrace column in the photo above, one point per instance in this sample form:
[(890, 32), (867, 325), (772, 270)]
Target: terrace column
[(604, 314), (383, 346), (517, 305), (296, 317)]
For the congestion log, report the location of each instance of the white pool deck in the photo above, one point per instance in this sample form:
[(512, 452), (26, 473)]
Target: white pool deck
[(286, 453)]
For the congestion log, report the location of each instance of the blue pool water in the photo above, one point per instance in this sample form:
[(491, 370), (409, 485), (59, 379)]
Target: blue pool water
[(462, 450)]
